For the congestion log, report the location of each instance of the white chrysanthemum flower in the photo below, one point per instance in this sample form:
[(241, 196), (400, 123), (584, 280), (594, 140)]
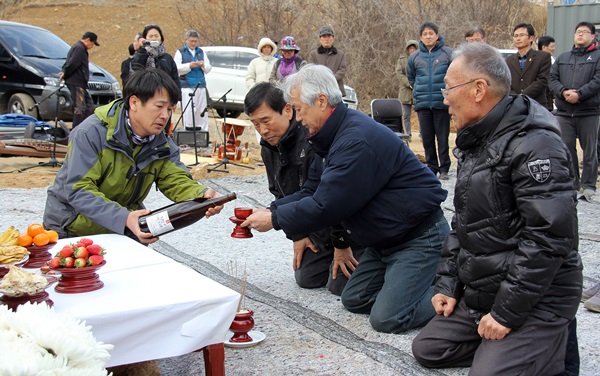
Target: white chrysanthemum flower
[(38, 341)]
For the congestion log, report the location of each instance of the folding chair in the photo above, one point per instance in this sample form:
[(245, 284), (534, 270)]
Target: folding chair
[(389, 113)]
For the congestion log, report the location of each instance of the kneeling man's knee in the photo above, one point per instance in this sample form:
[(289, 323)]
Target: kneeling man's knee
[(422, 353)]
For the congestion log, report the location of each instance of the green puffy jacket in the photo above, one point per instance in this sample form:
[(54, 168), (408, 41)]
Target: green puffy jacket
[(105, 176)]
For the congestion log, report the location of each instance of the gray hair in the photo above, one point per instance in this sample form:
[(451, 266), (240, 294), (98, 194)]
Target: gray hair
[(192, 33), (483, 59), (312, 80)]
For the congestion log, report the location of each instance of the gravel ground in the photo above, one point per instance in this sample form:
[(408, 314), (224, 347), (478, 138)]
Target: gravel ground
[(307, 331)]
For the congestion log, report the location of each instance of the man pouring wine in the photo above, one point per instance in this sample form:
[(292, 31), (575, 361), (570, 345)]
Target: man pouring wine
[(114, 157)]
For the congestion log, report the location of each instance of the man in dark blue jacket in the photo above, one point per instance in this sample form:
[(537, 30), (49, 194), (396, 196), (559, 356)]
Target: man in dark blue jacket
[(287, 156), (426, 70), (366, 179)]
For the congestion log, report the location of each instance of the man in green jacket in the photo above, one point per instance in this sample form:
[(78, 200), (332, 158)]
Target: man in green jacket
[(113, 159)]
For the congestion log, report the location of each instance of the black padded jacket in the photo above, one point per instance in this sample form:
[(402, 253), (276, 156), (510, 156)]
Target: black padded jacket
[(514, 240)]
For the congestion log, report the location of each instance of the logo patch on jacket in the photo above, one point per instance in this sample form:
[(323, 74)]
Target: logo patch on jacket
[(539, 169)]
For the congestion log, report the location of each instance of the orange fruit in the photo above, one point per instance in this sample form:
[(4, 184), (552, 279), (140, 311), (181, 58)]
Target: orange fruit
[(24, 240), (52, 235), (35, 229), (41, 239)]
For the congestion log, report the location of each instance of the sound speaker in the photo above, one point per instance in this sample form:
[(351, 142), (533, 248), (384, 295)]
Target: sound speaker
[(187, 138)]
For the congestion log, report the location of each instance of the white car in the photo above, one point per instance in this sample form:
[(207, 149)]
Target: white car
[(226, 82), (507, 52)]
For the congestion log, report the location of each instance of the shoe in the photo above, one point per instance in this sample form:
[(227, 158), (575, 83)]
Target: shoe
[(587, 294), (444, 176), (593, 303), (587, 195)]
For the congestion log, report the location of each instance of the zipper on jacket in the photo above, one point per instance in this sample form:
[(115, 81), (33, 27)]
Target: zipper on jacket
[(140, 180), (104, 174)]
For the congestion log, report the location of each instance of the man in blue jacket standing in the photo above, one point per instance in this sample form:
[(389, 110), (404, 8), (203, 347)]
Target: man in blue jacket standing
[(369, 182), (192, 66), (426, 71)]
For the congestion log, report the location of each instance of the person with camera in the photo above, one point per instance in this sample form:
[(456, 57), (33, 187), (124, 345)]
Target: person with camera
[(152, 54)]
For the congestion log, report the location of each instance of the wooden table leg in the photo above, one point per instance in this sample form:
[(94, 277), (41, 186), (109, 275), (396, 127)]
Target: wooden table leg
[(214, 359)]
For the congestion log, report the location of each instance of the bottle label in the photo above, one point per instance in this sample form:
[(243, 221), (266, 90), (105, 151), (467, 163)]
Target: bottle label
[(159, 223)]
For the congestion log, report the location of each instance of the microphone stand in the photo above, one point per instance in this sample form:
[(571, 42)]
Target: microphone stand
[(191, 100), (225, 161), (53, 162)]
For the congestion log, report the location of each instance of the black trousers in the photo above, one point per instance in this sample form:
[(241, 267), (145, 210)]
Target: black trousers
[(435, 126), (315, 268), (536, 348), (83, 105)]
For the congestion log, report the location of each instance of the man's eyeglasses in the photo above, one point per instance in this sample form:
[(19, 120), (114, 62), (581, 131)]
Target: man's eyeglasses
[(446, 90), (520, 35), (582, 32)]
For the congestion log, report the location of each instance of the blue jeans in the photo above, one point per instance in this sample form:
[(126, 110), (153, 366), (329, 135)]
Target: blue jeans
[(397, 289), (435, 126)]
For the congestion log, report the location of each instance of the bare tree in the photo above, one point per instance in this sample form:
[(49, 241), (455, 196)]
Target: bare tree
[(372, 32)]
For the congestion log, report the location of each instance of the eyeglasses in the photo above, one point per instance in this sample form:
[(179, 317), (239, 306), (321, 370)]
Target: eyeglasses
[(520, 35), (446, 90), (582, 32)]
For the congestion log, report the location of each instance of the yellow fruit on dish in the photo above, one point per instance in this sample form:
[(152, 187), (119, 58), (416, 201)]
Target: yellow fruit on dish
[(24, 240), (41, 239), (35, 229), (52, 235)]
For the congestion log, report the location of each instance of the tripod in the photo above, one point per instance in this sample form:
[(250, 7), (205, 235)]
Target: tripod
[(53, 162), (225, 161)]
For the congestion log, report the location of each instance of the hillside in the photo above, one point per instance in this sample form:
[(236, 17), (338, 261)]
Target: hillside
[(115, 23)]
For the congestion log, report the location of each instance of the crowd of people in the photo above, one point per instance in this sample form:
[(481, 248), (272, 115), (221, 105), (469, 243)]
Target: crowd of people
[(496, 290)]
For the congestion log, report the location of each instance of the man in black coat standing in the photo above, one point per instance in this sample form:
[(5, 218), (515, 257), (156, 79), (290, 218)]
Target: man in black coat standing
[(575, 83), (510, 278), (76, 73)]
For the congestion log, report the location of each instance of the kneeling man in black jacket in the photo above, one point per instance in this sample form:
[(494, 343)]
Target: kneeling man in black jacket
[(510, 278)]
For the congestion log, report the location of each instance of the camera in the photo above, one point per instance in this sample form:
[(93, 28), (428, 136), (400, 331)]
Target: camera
[(151, 43)]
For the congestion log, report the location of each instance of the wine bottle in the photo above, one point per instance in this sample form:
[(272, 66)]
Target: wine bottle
[(179, 215)]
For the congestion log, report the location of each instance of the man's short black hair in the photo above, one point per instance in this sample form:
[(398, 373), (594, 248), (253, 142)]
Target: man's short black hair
[(544, 41), (131, 49), (145, 83), (264, 92), (588, 25), (430, 25), (474, 31), (529, 27)]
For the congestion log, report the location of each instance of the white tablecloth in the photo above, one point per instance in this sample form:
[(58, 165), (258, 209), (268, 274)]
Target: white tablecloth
[(150, 307)]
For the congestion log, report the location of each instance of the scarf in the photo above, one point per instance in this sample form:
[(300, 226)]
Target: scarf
[(287, 66), (153, 53)]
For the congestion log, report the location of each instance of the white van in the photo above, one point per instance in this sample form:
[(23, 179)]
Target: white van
[(229, 67)]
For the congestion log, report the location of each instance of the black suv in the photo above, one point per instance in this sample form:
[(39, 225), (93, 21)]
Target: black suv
[(30, 61)]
